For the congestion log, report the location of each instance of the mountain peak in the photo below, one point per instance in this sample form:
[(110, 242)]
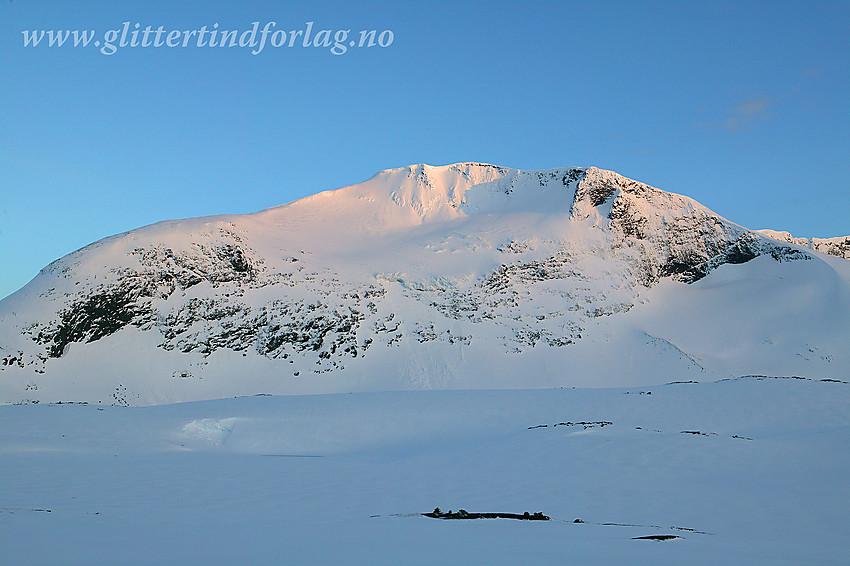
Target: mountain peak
[(421, 194)]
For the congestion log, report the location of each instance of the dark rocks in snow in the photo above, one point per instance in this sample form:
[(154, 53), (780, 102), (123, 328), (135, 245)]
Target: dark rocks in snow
[(585, 424), (556, 267), (16, 359), (120, 396), (698, 433), (463, 514), (839, 247), (217, 263), (572, 176)]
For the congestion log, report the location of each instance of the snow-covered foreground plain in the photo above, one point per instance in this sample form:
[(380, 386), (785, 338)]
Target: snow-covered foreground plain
[(746, 471)]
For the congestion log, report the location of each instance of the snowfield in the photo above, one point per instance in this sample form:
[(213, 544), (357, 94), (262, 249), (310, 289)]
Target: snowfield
[(744, 471)]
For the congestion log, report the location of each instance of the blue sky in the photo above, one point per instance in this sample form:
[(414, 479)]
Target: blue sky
[(741, 105)]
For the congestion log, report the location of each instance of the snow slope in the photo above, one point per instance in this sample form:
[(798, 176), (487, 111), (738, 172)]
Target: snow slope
[(746, 471), (455, 277)]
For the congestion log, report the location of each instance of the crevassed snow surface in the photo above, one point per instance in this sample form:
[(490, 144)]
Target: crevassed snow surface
[(746, 471)]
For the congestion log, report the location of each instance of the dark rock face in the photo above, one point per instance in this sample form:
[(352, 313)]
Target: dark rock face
[(127, 300), (679, 238), (597, 193), (95, 317), (694, 266)]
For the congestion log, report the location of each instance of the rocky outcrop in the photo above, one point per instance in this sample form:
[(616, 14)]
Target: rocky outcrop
[(839, 247)]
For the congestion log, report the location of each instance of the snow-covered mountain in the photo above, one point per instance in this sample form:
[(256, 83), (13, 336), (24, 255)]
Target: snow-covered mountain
[(454, 277)]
